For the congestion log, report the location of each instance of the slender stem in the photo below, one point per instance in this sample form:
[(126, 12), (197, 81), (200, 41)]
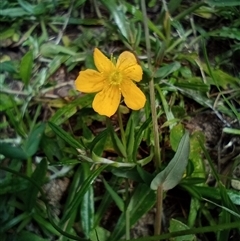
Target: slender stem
[(157, 156), (119, 115), (29, 167), (191, 231), (127, 214)]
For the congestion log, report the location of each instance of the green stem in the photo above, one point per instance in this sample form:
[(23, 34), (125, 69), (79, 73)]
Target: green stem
[(157, 156), (191, 231), (29, 167), (127, 215), (123, 137)]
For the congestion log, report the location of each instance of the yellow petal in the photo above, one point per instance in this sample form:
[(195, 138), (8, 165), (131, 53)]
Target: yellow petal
[(128, 65), (102, 63), (107, 101), (133, 96), (89, 81)]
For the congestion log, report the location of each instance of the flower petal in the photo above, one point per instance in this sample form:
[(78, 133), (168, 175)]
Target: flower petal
[(133, 96), (89, 81), (127, 64), (102, 63), (107, 101)]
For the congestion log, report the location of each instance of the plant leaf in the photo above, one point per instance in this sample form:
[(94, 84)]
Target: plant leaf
[(117, 143), (26, 67), (172, 174), (176, 225), (164, 71), (11, 151), (79, 195), (118, 15), (27, 236), (32, 190), (223, 3), (87, 207), (65, 136), (118, 200), (33, 141)]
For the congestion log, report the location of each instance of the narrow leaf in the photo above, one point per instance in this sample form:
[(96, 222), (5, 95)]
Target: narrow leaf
[(130, 138), (118, 15), (164, 71), (50, 49), (173, 173), (223, 3), (11, 151), (27, 236), (231, 131), (99, 139), (176, 225), (139, 135), (32, 190), (7, 66), (79, 195), (26, 66), (64, 113), (33, 141), (87, 207), (13, 12), (65, 136), (118, 200), (117, 144)]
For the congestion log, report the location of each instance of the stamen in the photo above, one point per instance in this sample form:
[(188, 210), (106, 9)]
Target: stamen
[(115, 78)]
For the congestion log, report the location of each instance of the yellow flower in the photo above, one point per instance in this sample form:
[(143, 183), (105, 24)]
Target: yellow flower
[(111, 81)]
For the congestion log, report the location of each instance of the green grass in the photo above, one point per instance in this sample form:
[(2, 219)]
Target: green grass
[(117, 168)]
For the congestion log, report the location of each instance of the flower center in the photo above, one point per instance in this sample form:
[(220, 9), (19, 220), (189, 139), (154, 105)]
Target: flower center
[(115, 78)]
